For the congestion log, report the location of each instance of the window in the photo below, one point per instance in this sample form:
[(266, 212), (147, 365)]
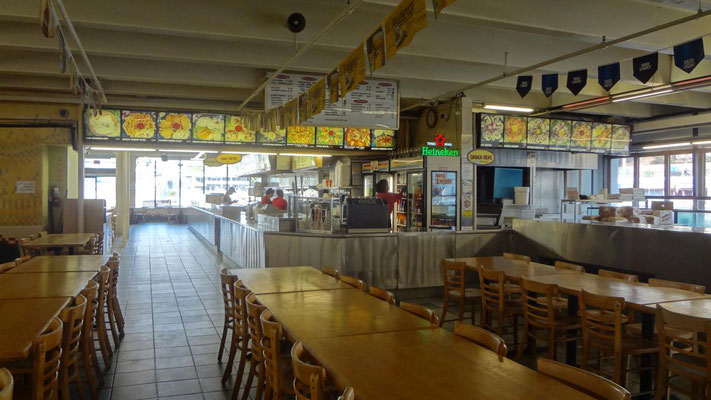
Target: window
[(145, 189), (621, 174), (167, 182), (100, 180), (681, 175), (651, 175), (216, 179), (707, 174), (192, 183)]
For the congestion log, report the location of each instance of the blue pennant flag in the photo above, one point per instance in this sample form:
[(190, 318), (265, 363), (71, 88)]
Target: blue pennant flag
[(608, 75), (549, 84), (688, 55), (523, 84), (644, 67), (577, 80)]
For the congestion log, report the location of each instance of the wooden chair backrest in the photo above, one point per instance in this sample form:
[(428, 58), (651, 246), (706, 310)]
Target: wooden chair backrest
[(6, 384), (254, 326), (618, 275), (420, 311), (562, 265), (23, 259), (348, 394), (382, 294), (4, 267), (309, 380), (23, 251), (696, 350), (518, 257), (454, 276), (91, 244), (583, 381), (538, 303), (331, 271), (47, 350), (601, 318), (353, 281), (90, 293), (669, 284), (239, 309), (482, 337), (492, 288), (73, 320), (103, 278), (273, 333), (113, 265), (227, 282)]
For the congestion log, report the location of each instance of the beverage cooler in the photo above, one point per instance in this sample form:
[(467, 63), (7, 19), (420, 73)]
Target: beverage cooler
[(373, 172)]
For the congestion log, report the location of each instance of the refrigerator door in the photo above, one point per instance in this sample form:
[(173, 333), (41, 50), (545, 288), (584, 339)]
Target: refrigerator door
[(415, 197), (368, 190), (443, 200)]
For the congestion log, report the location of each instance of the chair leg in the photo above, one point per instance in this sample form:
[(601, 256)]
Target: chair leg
[(261, 381), (514, 319), (242, 360), (64, 383), (89, 372), (461, 309), (224, 338), (112, 323), (77, 381), (120, 322), (250, 378), (473, 312), (444, 310), (104, 346), (551, 344), (524, 342), (231, 357)]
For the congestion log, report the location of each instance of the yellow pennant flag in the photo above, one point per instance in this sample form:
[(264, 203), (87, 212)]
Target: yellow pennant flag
[(316, 98), (375, 47), (303, 108), (291, 113), (409, 17), (439, 5), (333, 84), (352, 70)]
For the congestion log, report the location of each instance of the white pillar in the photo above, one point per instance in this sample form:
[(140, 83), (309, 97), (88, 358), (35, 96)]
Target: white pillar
[(123, 179)]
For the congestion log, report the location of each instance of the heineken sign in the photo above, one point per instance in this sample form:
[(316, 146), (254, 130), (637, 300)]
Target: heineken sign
[(439, 148)]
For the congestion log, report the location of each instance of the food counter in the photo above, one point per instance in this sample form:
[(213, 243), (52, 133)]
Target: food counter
[(389, 260)]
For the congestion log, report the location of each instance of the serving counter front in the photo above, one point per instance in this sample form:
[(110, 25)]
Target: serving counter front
[(389, 260)]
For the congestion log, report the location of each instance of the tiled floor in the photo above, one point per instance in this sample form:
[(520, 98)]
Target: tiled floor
[(170, 295)]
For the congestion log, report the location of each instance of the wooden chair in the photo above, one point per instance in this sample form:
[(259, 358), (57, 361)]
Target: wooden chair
[(43, 366), (683, 358), (382, 294), (89, 248), (113, 308), (602, 322), (72, 318), (566, 266), (99, 243), (92, 371), (482, 337), (309, 379), (654, 282), (331, 271), (227, 282), (240, 333), (454, 278), (278, 372), (494, 300), (618, 275), (23, 259), (6, 384), (256, 366), (592, 385), (101, 332), (7, 266), (539, 314), (420, 311), (353, 281), (348, 394), (518, 257)]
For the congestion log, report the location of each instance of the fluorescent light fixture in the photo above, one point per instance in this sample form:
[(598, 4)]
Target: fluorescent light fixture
[(643, 95), (179, 151), (249, 152), (119, 149), (664, 146), (508, 108), (304, 155), (199, 156), (701, 142)]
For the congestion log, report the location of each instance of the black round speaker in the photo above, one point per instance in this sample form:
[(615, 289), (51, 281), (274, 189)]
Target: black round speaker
[(296, 22)]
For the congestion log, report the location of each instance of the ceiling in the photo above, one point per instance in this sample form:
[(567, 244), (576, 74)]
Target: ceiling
[(212, 54)]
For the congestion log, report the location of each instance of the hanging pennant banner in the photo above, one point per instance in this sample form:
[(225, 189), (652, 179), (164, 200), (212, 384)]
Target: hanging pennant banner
[(352, 70), (316, 98), (688, 55), (333, 84), (577, 81), (46, 18), (608, 75), (409, 17), (375, 47), (303, 108), (63, 53), (439, 5), (644, 67), (549, 84), (523, 84), (291, 113)]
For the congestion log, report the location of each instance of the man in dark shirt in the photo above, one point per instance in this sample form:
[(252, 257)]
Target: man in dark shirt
[(267, 199)]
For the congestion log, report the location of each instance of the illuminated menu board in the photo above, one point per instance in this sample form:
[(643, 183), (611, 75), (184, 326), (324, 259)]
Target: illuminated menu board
[(559, 138), (208, 128), (138, 125), (104, 125), (329, 136), (235, 131), (491, 130), (581, 138), (174, 126), (303, 136), (383, 139), (538, 133), (601, 138), (274, 138), (357, 138), (515, 132), (620, 140)]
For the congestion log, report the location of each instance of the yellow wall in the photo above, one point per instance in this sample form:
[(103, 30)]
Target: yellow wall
[(39, 111), (449, 127)]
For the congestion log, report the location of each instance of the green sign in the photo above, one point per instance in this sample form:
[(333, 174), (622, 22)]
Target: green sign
[(445, 152)]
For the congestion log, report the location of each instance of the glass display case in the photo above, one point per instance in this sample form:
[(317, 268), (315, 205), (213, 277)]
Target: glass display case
[(443, 200), (319, 215)]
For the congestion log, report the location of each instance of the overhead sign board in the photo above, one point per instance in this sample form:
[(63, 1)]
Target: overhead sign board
[(480, 157)]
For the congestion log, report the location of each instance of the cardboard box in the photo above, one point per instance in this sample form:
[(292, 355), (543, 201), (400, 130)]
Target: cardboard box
[(662, 205), (666, 217)]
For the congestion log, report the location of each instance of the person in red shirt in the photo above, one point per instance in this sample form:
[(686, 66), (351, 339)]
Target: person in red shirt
[(279, 202), (381, 192), (267, 199)]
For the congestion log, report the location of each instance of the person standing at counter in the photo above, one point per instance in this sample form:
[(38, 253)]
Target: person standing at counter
[(279, 202), (226, 199), (381, 192), (267, 199)]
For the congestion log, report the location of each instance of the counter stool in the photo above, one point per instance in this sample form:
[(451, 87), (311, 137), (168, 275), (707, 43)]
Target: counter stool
[(495, 301), (227, 282), (6, 384), (256, 366), (593, 385), (382, 294), (278, 371), (454, 277), (422, 312), (73, 320), (240, 334), (482, 337), (90, 363)]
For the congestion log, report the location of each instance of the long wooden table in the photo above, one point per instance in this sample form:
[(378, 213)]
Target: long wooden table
[(514, 269), (699, 308), (22, 320), (287, 279), (42, 285), (58, 241), (89, 263)]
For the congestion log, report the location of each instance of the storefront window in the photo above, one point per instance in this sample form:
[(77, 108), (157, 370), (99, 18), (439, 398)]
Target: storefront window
[(192, 183), (707, 170), (651, 175), (167, 181), (216, 179), (621, 173), (145, 189), (681, 175)]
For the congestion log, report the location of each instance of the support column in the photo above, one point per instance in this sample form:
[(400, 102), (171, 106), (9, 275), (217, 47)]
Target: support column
[(123, 180), (468, 189), (80, 197)]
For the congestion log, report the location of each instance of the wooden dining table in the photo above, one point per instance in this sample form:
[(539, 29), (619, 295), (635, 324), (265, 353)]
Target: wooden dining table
[(287, 279), (59, 241), (43, 285), (429, 364), (88, 263), (23, 320), (699, 308), (513, 269)]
